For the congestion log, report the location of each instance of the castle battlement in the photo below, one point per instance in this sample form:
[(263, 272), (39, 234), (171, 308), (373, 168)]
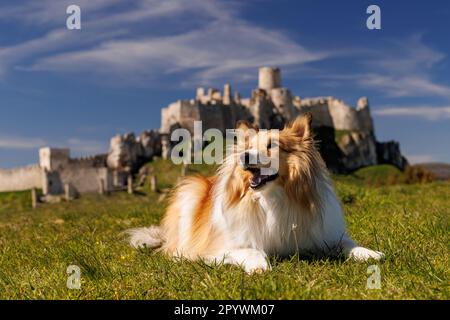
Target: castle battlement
[(270, 105)]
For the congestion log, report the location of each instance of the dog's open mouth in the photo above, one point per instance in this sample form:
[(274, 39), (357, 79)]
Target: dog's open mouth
[(258, 179)]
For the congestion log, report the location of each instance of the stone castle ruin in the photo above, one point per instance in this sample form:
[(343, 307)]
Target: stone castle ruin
[(345, 135), (57, 173)]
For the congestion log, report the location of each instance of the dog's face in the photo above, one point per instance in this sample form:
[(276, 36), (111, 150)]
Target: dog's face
[(287, 158)]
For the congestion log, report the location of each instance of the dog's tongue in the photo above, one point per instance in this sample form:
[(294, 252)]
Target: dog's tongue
[(256, 180), (259, 179)]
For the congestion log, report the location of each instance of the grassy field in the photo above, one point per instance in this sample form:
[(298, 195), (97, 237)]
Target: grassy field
[(409, 223)]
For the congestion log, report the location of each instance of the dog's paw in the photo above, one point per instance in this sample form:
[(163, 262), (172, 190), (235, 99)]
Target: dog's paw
[(150, 237), (364, 254), (252, 267), (256, 263)]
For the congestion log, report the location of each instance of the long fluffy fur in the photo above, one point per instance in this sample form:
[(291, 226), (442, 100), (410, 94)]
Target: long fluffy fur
[(221, 218)]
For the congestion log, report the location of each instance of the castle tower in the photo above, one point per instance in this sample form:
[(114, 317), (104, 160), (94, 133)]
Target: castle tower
[(364, 116), (226, 94), (237, 97), (269, 78), (200, 94), (53, 158), (210, 94)]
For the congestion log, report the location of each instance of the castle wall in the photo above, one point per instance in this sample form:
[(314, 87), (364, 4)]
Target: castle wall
[(320, 111), (222, 117), (344, 117), (182, 113), (364, 116), (261, 111), (19, 179), (84, 179), (169, 116), (332, 112), (214, 116), (282, 100), (359, 150)]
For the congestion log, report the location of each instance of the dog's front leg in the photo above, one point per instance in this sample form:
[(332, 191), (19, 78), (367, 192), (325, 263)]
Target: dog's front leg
[(252, 260)]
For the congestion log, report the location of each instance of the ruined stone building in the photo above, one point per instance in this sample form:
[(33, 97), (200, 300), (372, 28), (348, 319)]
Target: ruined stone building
[(345, 137), (101, 173)]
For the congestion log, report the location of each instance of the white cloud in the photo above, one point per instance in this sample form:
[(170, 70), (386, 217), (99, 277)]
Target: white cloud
[(397, 69), (425, 112), (404, 69), (204, 52), (215, 43), (77, 145), (404, 85), (219, 45), (10, 142)]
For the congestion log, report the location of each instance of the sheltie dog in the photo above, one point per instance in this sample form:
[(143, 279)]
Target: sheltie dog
[(241, 216)]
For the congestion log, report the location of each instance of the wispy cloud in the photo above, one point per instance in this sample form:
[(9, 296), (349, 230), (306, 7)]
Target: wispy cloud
[(219, 45), (395, 69), (214, 43), (77, 145), (404, 69), (424, 112), (404, 85), (204, 52), (9, 142)]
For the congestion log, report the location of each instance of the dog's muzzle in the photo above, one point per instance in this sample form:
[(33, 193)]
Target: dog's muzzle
[(249, 161)]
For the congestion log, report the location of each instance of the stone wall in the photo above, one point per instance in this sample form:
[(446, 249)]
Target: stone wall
[(283, 102), (359, 149), (83, 179), (19, 179), (128, 153), (332, 112)]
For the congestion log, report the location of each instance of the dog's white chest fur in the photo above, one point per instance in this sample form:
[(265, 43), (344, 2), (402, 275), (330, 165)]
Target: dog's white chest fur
[(276, 226)]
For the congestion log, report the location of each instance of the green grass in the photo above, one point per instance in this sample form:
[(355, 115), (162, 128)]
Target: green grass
[(368, 175), (409, 223)]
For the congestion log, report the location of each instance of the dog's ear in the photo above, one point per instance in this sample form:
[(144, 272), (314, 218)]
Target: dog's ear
[(245, 125), (301, 126)]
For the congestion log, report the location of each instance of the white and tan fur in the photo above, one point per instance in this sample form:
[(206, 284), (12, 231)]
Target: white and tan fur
[(222, 219)]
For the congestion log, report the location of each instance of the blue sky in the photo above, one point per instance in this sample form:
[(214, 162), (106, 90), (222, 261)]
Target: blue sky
[(77, 88)]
